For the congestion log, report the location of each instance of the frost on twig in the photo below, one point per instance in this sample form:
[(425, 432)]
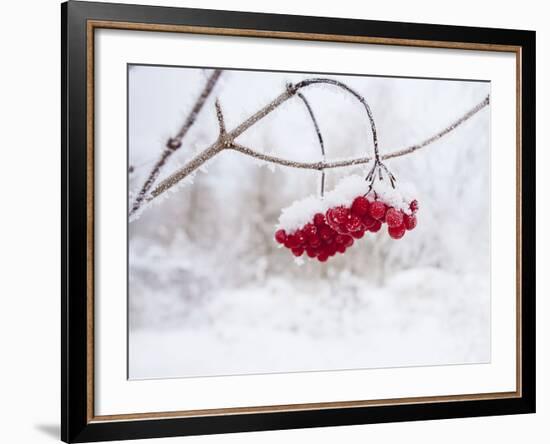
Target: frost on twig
[(226, 139)]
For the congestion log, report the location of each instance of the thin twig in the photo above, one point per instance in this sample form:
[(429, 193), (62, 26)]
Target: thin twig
[(319, 137), (174, 143), (219, 116), (320, 165), (485, 102), (360, 160)]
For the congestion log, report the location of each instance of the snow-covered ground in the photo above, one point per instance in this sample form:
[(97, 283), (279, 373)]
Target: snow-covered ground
[(420, 317), (211, 294)]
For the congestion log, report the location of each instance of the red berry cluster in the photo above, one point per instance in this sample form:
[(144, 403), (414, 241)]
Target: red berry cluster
[(336, 230)]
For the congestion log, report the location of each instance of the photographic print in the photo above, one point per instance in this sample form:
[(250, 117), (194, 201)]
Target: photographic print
[(291, 222), (277, 222)]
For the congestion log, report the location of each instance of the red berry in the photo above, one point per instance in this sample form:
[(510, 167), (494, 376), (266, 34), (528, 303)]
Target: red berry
[(319, 219), (368, 221), (297, 251), (358, 234), (314, 241), (301, 239), (375, 228), (322, 257), (337, 216), (292, 241), (309, 230), (341, 248), (311, 252), (360, 206), (377, 210), (280, 236), (342, 214), (353, 224), (342, 229), (326, 233), (409, 221), (340, 239), (330, 216), (414, 206), (348, 241), (397, 232), (394, 217)]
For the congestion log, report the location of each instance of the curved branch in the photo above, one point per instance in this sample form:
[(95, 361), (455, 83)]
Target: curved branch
[(315, 124), (319, 137), (355, 94)]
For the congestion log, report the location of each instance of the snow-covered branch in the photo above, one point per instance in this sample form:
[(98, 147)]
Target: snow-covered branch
[(226, 140), (485, 102), (220, 144), (320, 165), (174, 143)]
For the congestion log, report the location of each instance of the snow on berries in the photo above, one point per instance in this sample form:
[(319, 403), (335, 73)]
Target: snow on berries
[(320, 228)]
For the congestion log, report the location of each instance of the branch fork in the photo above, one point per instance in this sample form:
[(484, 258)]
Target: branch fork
[(380, 168), (226, 140)]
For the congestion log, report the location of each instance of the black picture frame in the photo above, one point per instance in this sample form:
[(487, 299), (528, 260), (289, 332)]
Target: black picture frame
[(77, 425)]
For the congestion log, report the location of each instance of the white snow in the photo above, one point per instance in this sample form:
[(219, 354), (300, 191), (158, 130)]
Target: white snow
[(420, 317), (211, 293), (302, 211), (399, 197)]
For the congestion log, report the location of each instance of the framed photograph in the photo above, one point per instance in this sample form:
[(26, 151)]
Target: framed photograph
[(276, 221)]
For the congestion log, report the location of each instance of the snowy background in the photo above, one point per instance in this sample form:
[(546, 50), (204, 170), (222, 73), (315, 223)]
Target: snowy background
[(211, 294)]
